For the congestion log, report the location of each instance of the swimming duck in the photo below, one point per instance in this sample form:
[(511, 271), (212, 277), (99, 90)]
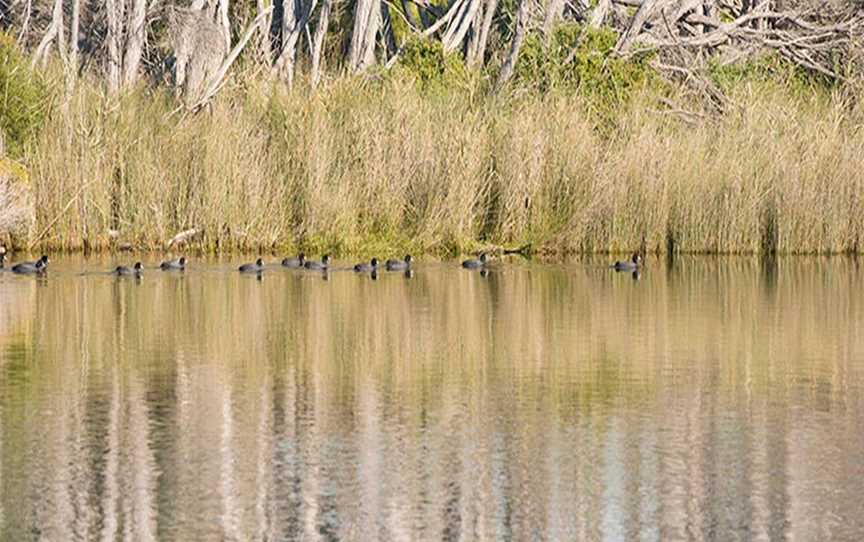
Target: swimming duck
[(256, 267), (634, 263), (294, 263), (134, 271), (475, 263), (367, 267), (398, 265), (30, 268), (323, 265), (174, 265)]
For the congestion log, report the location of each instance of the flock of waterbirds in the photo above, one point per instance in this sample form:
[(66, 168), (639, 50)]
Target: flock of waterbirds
[(300, 262)]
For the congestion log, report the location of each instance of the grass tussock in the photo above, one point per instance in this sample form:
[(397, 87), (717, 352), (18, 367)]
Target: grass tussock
[(360, 167)]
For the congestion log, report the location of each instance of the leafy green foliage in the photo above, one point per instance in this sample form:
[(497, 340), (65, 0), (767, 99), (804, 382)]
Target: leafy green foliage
[(767, 69), (23, 98), (578, 59), (426, 62)]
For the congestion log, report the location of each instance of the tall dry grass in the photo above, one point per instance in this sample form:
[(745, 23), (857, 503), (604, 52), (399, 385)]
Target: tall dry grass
[(359, 167)]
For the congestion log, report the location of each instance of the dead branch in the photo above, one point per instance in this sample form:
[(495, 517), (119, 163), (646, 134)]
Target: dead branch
[(806, 39), (182, 237), (217, 79)]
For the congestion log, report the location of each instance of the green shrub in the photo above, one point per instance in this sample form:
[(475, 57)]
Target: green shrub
[(425, 61), (540, 64), (23, 98), (581, 60), (766, 69)]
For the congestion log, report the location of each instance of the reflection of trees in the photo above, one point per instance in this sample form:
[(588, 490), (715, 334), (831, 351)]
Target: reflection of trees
[(563, 401)]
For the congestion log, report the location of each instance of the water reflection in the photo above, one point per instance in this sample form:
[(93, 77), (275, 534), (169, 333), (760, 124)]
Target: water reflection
[(713, 398)]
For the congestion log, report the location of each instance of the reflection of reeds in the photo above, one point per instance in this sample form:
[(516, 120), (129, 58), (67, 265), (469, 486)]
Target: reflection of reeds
[(562, 399), (360, 168)]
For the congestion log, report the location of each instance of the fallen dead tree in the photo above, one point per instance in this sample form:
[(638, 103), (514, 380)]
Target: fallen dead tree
[(819, 37)]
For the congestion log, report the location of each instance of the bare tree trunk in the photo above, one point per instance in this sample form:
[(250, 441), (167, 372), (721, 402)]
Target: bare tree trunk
[(554, 12), (598, 14), (483, 37), (214, 82), (459, 27), (225, 22), (199, 50), (473, 38), (72, 65), (74, 30), (114, 9), (387, 30), (646, 9), (61, 36), (54, 33), (135, 36), (367, 17), (453, 23), (372, 29), (510, 62), (285, 63), (295, 18), (25, 21), (265, 46), (318, 41)]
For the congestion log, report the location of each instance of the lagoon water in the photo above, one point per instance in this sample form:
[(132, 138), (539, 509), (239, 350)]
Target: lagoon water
[(712, 399)]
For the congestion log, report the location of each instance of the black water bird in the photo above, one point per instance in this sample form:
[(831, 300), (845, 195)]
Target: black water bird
[(367, 267), (174, 265), (124, 271), (31, 268), (323, 265), (475, 263), (634, 263), (294, 263), (398, 265), (256, 267)]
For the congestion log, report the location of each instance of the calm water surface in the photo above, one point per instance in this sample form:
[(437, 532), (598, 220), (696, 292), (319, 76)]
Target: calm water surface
[(714, 399)]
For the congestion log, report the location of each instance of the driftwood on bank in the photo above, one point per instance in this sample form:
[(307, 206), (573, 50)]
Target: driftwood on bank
[(182, 237)]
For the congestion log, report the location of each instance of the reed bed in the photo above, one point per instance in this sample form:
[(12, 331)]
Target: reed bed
[(359, 166)]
